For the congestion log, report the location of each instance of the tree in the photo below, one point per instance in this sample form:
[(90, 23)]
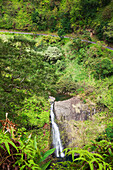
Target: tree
[(108, 32), (104, 2), (89, 8)]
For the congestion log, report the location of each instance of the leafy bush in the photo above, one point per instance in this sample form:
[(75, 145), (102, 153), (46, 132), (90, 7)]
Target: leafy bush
[(89, 8), (77, 44), (21, 73), (33, 113), (66, 84), (18, 152), (48, 40), (104, 2), (108, 32), (65, 23), (106, 135), (99, 29), (103, 68), (104, 148), (52, 22), (85, 159), (107, 13), (53, 54), (109, 133), (94, 58), (61, 33)]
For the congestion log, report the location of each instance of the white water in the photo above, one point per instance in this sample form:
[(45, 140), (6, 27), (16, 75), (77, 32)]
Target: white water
[(56, 136)]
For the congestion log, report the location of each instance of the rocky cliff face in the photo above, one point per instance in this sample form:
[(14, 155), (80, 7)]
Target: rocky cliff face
[(72, 109), (69, 111)]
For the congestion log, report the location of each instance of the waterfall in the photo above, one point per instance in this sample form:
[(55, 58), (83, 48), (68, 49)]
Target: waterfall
[(56, 135)]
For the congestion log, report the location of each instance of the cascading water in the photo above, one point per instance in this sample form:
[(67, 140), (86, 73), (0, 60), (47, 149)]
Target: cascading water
[(56, 136)]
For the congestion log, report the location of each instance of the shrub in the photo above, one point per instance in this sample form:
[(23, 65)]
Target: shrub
[(61, 33), (85, 159), (20, 152), (108, 32), (106, 135), (65, 22), (66, 84), (77, 45), (48, 40), (104, 148), (52, 23), (104, 2), (103, 68), (109, 133), (107, 13), (99, 30), (53, 54)]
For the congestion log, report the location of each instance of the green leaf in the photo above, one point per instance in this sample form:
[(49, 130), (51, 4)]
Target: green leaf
[(110, 151), (31, 161), (49, 152), (93, 141), (21, 168), (73, 154), (97, 155), (100, 166), (105, 155), (35, 143), (80, 159), (7, 147), (106, 165), (66, 150), (13, 145), (91, 166), (94, 160), (2, 147), (45, 165)]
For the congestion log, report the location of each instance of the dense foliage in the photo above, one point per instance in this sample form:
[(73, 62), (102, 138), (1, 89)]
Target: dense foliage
[(34, 67), (19, 151), (31, 70), (22, 72), (62, 16)]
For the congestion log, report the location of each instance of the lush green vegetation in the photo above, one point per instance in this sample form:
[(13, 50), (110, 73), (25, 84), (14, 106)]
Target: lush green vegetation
[(34, 67), (61, 15), (17, 151)]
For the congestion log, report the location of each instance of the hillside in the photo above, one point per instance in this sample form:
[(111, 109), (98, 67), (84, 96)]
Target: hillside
[(62, 16), (34, 67)]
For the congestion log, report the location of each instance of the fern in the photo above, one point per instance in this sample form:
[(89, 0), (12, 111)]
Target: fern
[(22, 153), (93, 160)]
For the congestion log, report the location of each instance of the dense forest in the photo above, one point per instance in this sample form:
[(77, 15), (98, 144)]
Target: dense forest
[(32, 68), (65, 16)]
